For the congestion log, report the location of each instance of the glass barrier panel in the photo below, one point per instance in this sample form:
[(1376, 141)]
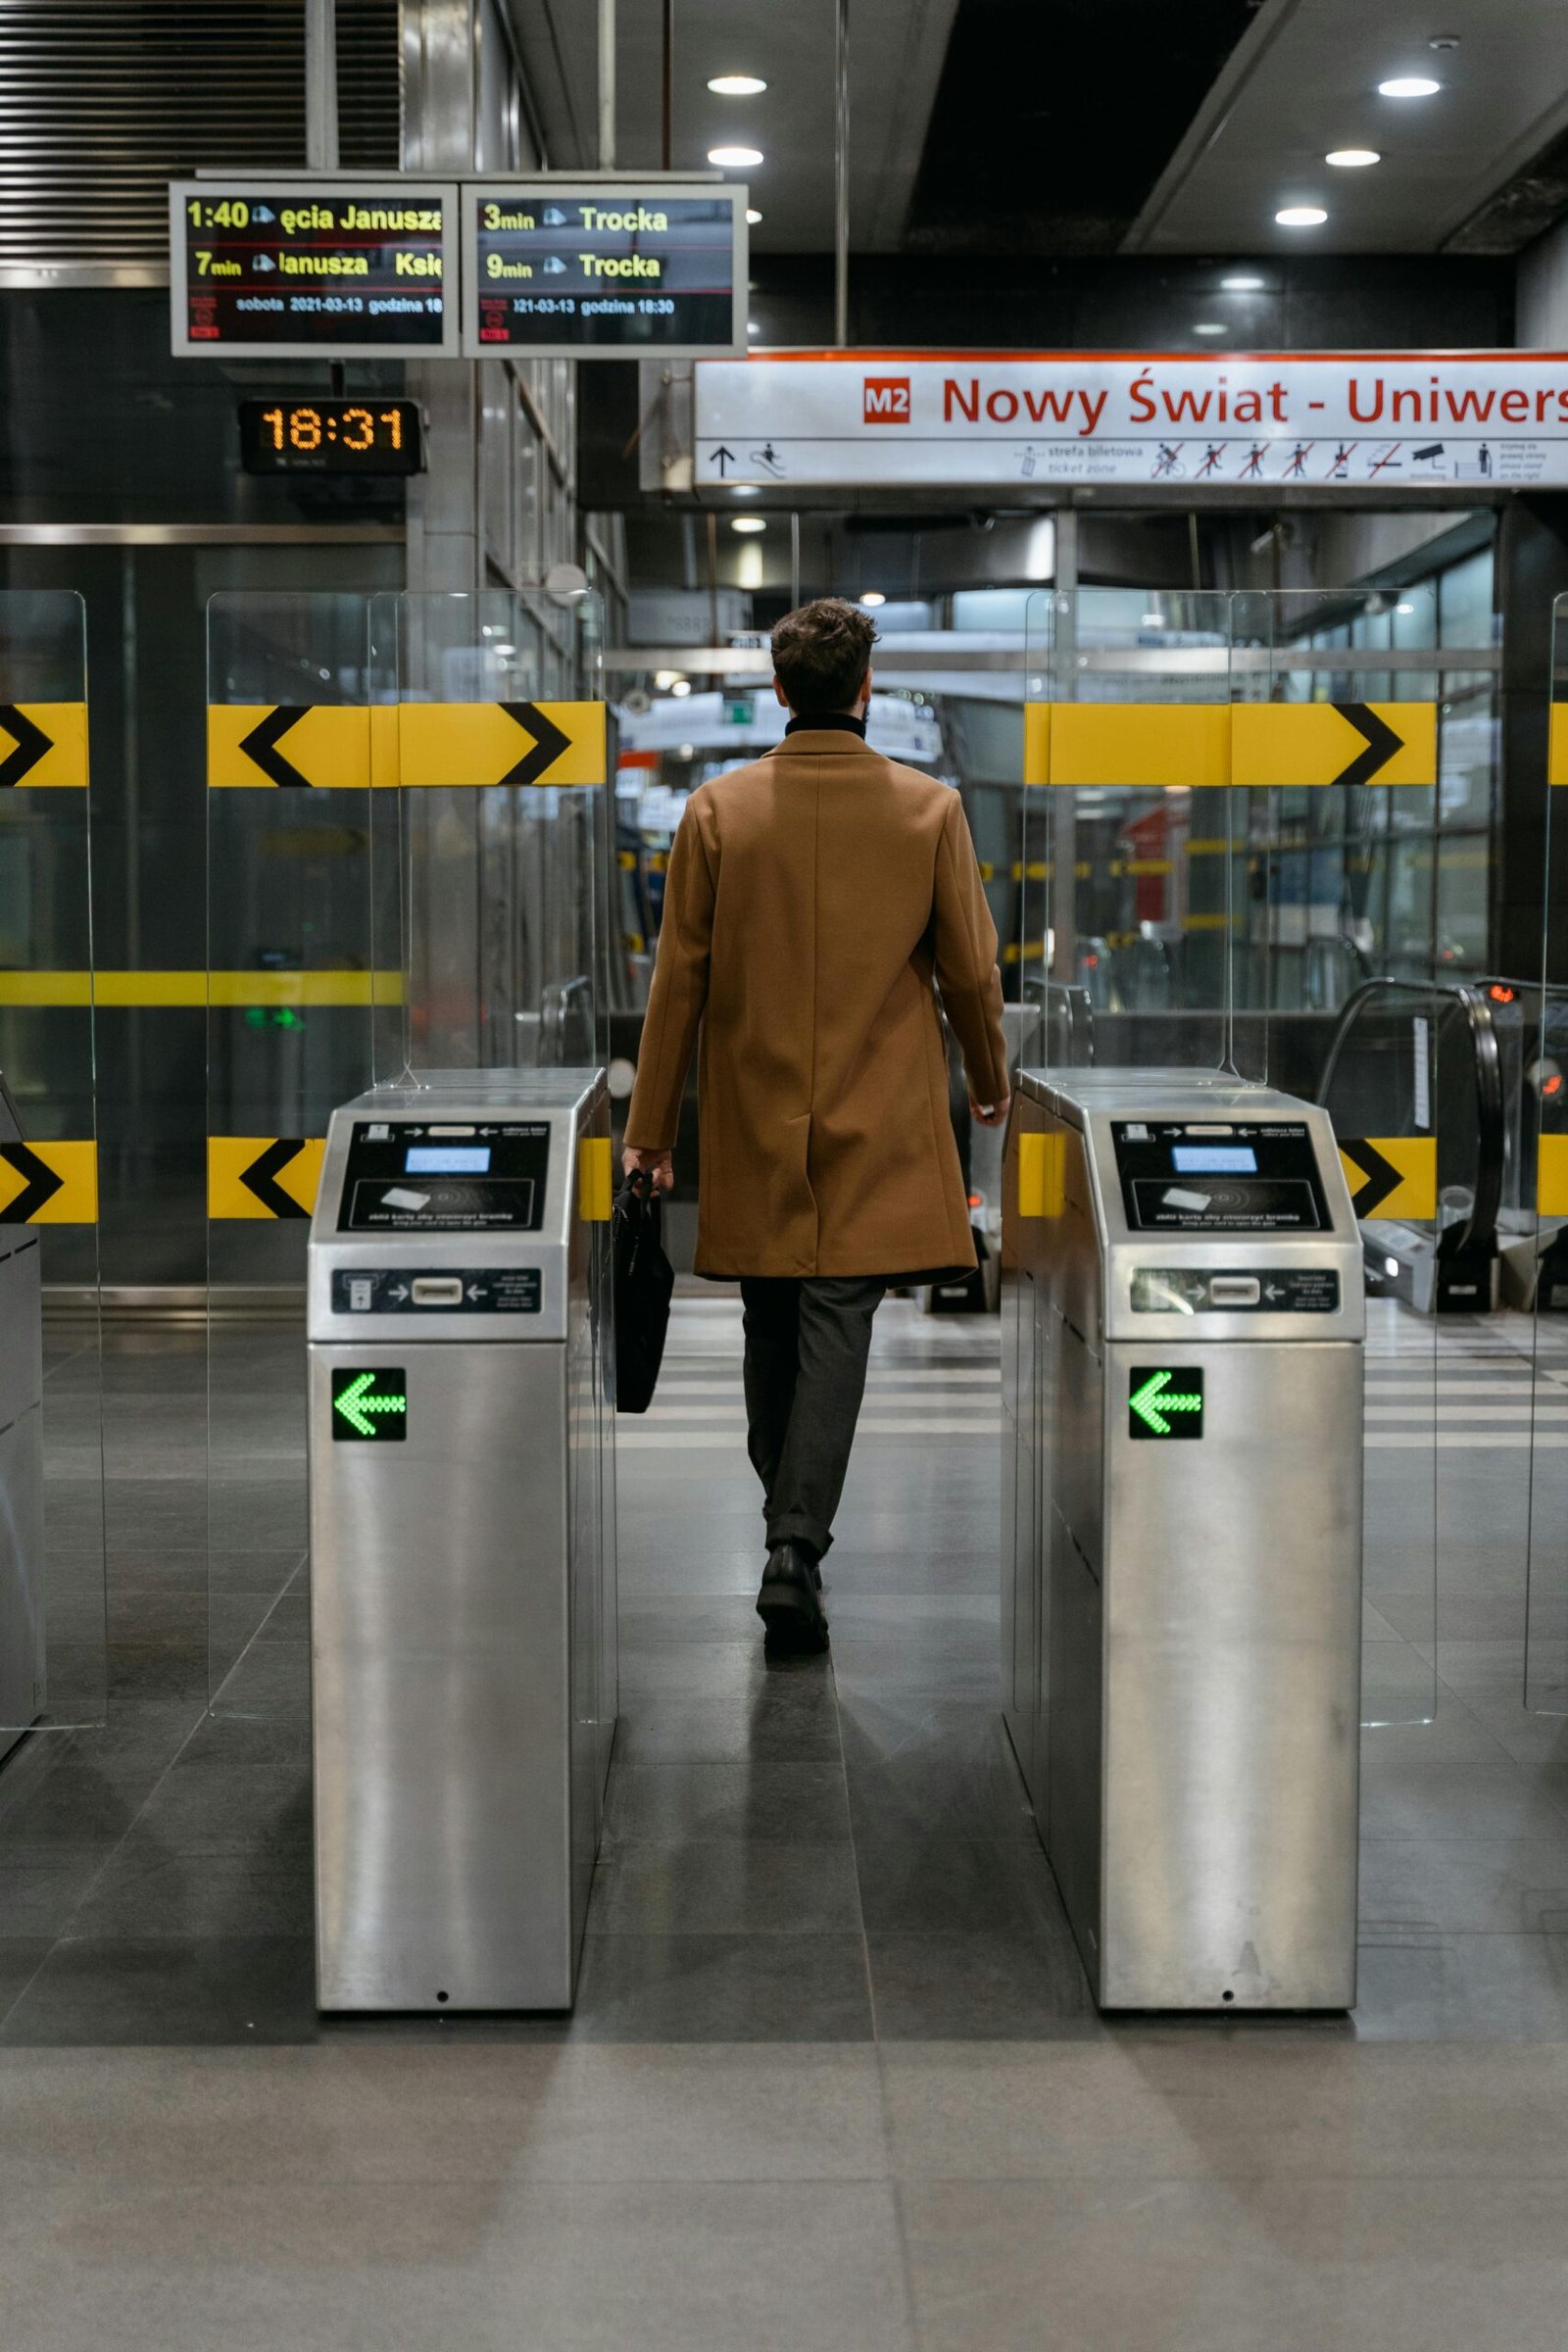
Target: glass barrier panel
[(1334, 748), (1536, 1264), (506, 835), (1125, 870), (293, 990), (70, 1409)]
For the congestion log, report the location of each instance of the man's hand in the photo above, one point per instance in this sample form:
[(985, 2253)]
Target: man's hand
[(660, 1165), (989, 1114)]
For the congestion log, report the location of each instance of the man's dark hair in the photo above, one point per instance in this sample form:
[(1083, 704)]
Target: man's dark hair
[(822, 653)]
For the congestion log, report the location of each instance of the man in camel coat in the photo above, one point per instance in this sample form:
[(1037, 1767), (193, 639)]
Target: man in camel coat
[(818, 904)]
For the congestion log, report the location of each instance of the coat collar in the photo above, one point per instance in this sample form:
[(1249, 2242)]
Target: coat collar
[(838, 743)]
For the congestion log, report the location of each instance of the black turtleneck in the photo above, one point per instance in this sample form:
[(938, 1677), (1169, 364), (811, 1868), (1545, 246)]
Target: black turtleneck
[(815, 722)]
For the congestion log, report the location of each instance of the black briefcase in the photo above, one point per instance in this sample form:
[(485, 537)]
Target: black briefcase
[(645, 1281)]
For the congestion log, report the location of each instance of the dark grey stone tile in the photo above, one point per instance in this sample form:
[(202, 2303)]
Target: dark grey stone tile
[(764, 1801), (914, 1884), (134, 1744), (73, 1805), (20, 1958), (1405, 1799), (963, 1984), (688, 1620), (722, 1988), (1465, 1884), (789, 1717), (97, 1991), (230, 1792), (729, 1887), (42, 1885), (154, 1514), (147, 1893), (1463, 1987), (973, 1791), (259, 1514), (708, 1666)]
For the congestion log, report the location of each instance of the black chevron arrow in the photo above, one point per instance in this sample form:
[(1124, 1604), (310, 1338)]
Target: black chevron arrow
[(259, 1177), (261, 744), (41, 1186), (547, 739), (1382, 1176), (31, 744), (1381, 744)]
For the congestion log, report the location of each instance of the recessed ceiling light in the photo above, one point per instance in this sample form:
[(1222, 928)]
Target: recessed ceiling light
[(747, 523), (745, 490), (1301, 216), (753, 215), (873, 596), (669, 680), (1410, 86), (682, 686), (737, 86), (734, 159), (1151, 620), (1240, 285), (1209, 326), (1352, 159)]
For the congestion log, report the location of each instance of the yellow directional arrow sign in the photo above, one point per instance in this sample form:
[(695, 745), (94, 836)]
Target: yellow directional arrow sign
[(1557, 749), (262, 1175), (289, 745), (1150, 744), (1391, 1175), (1551, 1176), (1141, 744), (476, 743), (1333, 743), (48, 1183), (43, 742)]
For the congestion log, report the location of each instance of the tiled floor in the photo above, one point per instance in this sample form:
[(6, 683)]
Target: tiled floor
[(833, 2077)]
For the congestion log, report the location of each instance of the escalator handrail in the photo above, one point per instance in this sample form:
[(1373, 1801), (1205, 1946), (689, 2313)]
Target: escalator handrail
[(1480, 1228)]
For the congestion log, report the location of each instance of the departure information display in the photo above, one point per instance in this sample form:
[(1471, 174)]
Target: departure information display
[(606, 269), (313, 268)]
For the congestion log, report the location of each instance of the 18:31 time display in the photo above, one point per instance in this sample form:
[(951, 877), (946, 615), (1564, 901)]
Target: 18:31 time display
[(330, 436)]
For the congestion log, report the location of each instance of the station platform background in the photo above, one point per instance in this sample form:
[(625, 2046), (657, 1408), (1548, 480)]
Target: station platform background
[(827, 1976)]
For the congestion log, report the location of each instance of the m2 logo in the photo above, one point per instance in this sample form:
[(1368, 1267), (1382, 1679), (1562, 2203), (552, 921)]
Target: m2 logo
[(887, 400)]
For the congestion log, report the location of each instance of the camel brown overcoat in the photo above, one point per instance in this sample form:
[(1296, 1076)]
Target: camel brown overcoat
[(815, 904)]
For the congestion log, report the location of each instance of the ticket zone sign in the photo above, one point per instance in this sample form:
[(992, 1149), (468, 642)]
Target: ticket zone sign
[(1489, 419)]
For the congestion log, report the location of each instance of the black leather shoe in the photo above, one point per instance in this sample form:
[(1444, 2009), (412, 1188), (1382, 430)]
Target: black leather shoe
[(790, 1604)]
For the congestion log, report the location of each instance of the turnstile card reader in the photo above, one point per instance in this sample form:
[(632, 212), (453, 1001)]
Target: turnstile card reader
[(1182, 1366), (21, 1522), (463, 1592)]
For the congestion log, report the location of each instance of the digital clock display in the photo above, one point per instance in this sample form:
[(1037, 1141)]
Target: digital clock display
[(605, 270), (331, 436), (313, 268)]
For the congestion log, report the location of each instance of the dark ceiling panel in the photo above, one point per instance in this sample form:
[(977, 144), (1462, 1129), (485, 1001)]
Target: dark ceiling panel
[(1052, 122)]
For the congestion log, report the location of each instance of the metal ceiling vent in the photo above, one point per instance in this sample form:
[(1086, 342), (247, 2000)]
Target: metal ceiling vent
[(102, 102)]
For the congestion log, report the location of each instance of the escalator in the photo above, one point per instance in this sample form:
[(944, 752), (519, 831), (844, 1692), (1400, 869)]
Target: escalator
[(1413, 1059)]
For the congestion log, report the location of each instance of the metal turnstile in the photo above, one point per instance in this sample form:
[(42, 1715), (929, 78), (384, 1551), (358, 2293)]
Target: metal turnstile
[(463, 1593), (21, 1555), (1182, 1351)]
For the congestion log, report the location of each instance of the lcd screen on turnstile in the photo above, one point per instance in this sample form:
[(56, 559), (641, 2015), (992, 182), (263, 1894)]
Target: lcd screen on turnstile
[(422, 1176), (1241, 1176)]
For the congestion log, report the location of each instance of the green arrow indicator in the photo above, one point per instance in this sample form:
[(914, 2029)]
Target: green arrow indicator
[(1156, 1399), (362, 1409)]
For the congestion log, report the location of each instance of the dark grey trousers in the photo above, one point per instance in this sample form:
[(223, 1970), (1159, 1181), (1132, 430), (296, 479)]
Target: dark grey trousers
[(806, 1344)]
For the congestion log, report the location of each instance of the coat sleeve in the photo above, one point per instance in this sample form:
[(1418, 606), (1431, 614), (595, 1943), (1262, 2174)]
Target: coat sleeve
[(965, 946), (678, 994)]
